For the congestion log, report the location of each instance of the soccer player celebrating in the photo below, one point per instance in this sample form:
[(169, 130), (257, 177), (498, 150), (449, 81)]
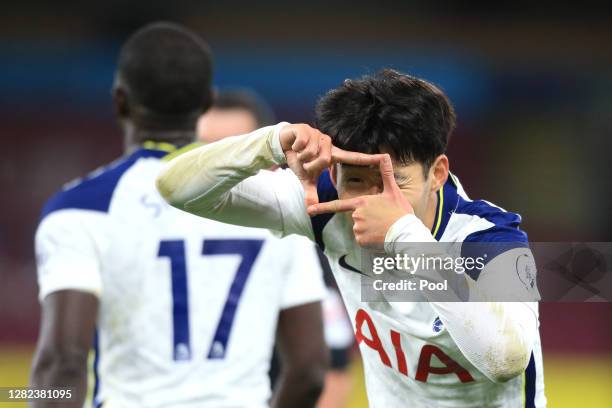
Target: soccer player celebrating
[(185, 311), (383, 139)]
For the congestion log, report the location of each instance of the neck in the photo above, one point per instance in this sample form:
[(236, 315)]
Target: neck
[(429, 217), (134, 137)]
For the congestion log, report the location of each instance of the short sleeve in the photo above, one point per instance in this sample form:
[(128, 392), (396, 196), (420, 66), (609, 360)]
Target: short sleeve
[(304, 279), (67, 253)]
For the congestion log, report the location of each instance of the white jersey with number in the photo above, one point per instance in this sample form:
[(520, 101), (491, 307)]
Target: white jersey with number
[(188, 306), (417, 354)]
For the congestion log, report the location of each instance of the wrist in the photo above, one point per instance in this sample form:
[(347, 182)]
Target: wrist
[(408, 228), (275, 143)]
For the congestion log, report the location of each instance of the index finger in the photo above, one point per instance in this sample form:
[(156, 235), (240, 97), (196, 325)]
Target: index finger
[(355, 158), (334, 206), (386, 173)]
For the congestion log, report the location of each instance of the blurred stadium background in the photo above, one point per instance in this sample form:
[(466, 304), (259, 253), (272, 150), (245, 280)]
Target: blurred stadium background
[(533, 92)]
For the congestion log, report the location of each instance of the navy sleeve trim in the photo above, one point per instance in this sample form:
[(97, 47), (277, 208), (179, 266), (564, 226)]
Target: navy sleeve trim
[(504, 236), (95, 191)]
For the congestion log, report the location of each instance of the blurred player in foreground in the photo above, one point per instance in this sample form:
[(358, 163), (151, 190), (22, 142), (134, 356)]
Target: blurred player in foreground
[(241, 111), (383, 139), (186, 310)]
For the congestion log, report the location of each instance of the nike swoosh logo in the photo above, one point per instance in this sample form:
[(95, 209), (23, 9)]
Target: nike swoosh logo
[(345, 265)]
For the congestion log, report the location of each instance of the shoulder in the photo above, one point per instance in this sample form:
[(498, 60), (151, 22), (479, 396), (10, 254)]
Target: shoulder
[(500, 222), (92, 192), (483, 221), (458, 218)]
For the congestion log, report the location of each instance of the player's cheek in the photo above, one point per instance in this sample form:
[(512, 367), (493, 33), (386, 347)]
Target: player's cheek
[(415, 197)]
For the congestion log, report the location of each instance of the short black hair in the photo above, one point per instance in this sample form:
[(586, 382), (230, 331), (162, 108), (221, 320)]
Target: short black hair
[(247, 99), (167, 69), (406, 116)]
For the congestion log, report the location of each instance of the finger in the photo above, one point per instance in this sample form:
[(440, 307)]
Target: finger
[(302, 137), (311, 151), (311, 196), (334, 206), (323, 160), (386, 172), (355, 158)]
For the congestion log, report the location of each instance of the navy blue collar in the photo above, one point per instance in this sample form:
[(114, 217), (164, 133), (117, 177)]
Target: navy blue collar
[(143, 153), (448, 198)]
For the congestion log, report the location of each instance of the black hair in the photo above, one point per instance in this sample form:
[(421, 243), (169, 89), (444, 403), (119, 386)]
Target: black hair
[(167, 69), (241, 98), (403, 115)]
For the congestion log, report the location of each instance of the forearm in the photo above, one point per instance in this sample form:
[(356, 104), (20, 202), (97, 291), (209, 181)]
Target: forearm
[(303, 356), (67, 330), (201, 181), (298, 389), (60, 370), (497, 337)]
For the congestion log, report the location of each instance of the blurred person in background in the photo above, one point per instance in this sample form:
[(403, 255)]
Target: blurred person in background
[(235, 111), (183, 311), (239, 111)]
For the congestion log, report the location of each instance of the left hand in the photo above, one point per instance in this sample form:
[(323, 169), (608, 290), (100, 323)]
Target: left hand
[(373, 215)]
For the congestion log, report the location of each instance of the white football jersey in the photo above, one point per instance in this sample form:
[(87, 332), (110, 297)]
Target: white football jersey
[(188, 306)]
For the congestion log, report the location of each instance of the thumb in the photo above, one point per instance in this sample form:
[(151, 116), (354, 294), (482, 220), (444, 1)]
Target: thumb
[(311, 196)]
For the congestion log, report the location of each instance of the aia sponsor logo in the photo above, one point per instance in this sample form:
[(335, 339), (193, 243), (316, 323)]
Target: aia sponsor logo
[(424, 365)]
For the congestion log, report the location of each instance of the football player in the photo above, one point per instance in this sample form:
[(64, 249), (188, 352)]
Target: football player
[(184, 311), (375, 173)]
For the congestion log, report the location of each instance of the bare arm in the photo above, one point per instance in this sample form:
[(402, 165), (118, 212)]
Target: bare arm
[(66, 336), (304, 356)]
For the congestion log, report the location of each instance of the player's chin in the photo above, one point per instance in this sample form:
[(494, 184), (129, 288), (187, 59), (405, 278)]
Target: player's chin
[(370, 243)]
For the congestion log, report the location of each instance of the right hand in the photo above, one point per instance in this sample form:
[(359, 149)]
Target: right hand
[(309, 152)]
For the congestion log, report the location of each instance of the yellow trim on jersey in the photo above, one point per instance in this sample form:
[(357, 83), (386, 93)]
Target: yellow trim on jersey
[(91, 356), (524, 403), (440, 205), (163, 146), (184, 149)]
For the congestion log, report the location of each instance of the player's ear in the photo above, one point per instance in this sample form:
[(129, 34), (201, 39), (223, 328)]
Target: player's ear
[(333, 174), (121, 102), (438, 172)]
